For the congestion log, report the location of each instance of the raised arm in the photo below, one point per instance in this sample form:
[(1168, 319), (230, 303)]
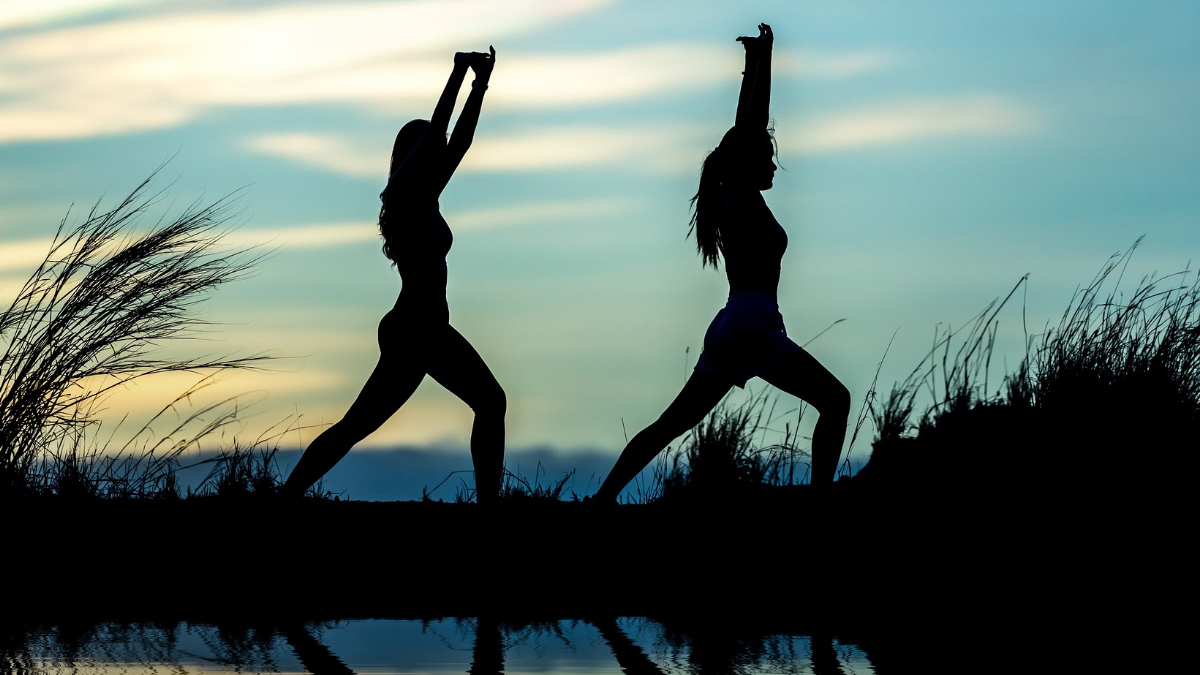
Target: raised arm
[(419, 168), (754, 99), (445, 105), (428, 165), (464, 128)]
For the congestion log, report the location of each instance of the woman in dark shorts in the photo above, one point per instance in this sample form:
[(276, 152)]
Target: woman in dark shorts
[(747, 338), (415, 337)]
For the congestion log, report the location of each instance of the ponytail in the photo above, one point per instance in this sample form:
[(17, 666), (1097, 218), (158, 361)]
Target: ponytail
[(706, 207), (717, 177)]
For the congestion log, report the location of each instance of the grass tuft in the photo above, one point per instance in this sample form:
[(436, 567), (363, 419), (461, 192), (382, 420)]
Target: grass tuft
[(726, 452), (90, 319)]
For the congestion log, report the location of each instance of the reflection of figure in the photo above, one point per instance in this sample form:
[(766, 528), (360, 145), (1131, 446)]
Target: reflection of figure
[(824, 656), (314, 656), (415, 337), (630, 658), (487, 656), (746, 339)]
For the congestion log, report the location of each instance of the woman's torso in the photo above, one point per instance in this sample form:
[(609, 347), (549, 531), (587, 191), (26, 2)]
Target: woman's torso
[(419, 238), (752, 243)]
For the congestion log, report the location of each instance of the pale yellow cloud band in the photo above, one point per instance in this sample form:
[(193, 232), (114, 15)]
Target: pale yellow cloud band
[(654, 147), (910, 120), (24, 255), (28, 13), (164, 70), (673, 147)]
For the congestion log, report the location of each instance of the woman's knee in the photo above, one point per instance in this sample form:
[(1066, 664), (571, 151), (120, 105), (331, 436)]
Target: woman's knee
[(490, 401), (833, 399), (838, 399)]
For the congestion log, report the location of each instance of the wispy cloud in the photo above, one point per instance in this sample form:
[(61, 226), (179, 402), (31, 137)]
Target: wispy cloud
[(820, 65), (321, 235), (310, 235), (145, 396), (539, 212), (27, 13), (339, 153), (162, 70), (654, 147), (645, 147), (23, 255), (542, 80), (910, 120)]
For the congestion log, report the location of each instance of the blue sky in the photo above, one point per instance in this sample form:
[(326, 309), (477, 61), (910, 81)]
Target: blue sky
[(934, 153)]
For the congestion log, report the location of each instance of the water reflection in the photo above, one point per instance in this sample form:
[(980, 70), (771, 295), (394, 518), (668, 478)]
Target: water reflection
[(476, 645)]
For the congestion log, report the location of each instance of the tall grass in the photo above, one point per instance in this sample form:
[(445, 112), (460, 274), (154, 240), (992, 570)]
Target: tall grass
[(145, 466), (727, 451), (515, 487), (1140, 355), (1116, 382), (93, 317), (252, 471)]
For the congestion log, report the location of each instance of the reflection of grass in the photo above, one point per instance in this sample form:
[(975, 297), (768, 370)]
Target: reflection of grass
[(91, 319)]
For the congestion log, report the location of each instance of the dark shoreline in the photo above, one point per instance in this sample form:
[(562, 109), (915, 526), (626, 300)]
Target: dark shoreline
[(853, 556), (894, 570)]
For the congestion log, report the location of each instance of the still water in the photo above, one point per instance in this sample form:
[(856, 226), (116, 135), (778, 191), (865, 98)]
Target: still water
[(633, 645)]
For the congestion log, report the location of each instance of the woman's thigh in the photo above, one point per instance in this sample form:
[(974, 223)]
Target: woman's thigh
[(391, 383), (700, 394), (801, 375), (456, 365)]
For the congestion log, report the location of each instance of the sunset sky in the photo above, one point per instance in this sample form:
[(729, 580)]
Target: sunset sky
[(934, 152)]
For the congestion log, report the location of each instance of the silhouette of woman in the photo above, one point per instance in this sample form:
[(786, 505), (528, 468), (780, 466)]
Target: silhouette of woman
[(415, 337), (746, 339)]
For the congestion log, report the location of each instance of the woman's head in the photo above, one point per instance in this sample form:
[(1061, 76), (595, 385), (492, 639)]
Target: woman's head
[(753, 151), (406, 140), (742, 159)]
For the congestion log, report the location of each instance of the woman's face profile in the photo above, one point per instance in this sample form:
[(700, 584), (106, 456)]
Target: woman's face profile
[(764, 165)]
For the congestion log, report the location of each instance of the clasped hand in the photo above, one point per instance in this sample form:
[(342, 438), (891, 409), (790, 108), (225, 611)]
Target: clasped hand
[(761, 43), (479, 62)]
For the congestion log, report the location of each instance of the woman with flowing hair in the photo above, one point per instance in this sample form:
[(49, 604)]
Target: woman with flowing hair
[(731, 220), (415, 337)]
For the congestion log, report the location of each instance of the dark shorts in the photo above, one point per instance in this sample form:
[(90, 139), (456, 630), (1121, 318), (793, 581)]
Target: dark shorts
[(745, 339)]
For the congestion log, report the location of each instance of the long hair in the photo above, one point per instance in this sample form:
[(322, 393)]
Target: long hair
[(406, 141), (715, 176)]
